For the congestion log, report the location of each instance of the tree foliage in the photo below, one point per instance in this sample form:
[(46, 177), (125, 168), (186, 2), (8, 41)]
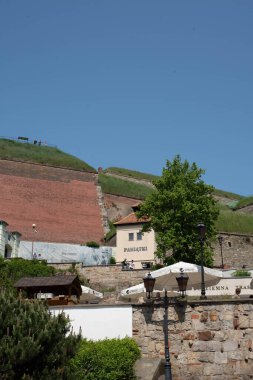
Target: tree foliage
[(179, 202), (109, 359), (33, 343), (12, 270)]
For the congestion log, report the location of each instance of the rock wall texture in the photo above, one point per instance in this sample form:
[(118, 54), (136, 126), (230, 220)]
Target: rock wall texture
[(117, 206), (237, 250), (63, 203), (207, 340)]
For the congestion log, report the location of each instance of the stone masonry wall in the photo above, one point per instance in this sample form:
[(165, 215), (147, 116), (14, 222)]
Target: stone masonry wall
[(107, 276), (237, 250), (207, 339)]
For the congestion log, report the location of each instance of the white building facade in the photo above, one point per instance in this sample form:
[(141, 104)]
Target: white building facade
[(134, 245), (9, 241)]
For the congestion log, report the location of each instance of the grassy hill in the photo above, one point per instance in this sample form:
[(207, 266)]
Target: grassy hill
[(229, 221), (41, 154)]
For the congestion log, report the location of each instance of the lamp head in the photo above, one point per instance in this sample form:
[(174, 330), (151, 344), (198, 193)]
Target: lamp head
[(182, 281), (149, 283), (220, 239), (202, 231)]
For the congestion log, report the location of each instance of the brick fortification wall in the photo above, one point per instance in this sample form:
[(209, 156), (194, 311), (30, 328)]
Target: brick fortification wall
[(61, 202)]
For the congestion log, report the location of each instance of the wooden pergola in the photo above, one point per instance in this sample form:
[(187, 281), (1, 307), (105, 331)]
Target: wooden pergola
[(62, 287)]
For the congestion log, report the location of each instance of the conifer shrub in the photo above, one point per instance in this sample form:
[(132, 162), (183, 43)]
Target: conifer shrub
[(110, 359), (33, 343)]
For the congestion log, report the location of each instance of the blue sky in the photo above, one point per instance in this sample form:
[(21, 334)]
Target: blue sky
[(133, 83)]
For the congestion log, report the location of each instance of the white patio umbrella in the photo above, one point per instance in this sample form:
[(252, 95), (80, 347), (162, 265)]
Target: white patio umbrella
[(90, 294), (166, 278), (134, 292)]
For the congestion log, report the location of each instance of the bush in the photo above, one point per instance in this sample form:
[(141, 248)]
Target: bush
[(241, 273), (14, 269), (110, 359), (112, 260), (92, 244)]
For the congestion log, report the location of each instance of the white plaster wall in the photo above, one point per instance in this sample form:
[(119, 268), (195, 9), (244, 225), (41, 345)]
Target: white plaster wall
[(99, 322), (139, 255)]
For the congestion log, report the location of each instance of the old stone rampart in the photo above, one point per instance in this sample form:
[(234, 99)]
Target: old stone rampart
[(207, 339)]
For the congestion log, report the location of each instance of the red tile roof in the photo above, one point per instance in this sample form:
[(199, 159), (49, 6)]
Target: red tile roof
[(132, 219)]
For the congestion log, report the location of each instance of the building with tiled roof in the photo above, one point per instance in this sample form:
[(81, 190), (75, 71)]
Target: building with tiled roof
[(132, 243)]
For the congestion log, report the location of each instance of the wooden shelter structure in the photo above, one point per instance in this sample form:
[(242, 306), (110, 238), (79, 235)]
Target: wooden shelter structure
[(58, 290)]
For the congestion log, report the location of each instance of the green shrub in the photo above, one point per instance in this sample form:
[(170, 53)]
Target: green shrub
[(111, 232), (110, 359), (14, 269), (241, 273), (92, 244), (112, 260)]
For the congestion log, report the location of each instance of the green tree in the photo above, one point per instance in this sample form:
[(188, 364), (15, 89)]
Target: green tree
[(12, 270), (179, 202), (33, 343)]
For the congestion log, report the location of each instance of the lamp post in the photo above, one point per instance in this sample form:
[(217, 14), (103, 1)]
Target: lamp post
[(202, 231), (149, 283), (34, 231), (220, 239)]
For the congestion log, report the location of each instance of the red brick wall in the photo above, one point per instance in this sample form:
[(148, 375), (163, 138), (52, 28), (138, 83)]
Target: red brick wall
[(61, 202)]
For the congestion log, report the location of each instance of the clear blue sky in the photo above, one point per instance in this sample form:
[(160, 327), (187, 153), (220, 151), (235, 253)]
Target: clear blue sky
[(133, 83)]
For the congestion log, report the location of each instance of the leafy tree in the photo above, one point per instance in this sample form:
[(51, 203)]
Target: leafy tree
[(179, 202), (33, 343), (12, 270)]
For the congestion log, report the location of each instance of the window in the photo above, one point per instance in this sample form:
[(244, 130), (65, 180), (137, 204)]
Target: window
[(131, 236), (139, 236)]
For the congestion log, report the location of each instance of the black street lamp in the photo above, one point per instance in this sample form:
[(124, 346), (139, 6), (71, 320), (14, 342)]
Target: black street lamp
[(202, 231), (149, 283), (220, 239)]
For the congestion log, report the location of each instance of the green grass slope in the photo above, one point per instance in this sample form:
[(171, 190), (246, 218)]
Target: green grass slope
[(41, 154), (131, 174), (118, 186), (244, 202)]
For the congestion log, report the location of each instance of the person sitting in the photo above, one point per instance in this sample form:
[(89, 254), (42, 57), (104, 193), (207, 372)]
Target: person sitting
[(124, 264), (131, 265)]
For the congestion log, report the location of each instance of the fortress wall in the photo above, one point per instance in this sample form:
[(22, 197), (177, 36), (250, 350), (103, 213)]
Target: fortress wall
[(118, 206), (61, 202)]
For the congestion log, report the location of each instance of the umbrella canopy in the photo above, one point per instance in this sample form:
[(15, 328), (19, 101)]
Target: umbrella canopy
[(166, 278), (89, 294), (134, 292)]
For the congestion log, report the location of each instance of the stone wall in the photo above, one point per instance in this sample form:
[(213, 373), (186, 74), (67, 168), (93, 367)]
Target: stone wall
[(237, 250), (117, 207), (107, 276), (207, 339)]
